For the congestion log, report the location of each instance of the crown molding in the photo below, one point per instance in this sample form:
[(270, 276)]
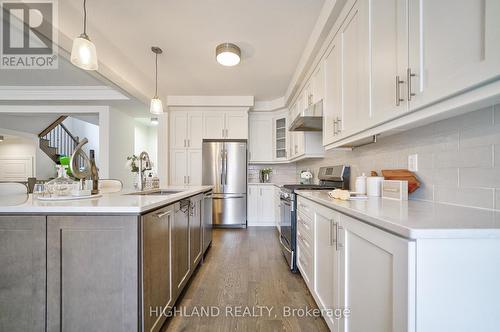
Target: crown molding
[(98, 92), (210, 101)]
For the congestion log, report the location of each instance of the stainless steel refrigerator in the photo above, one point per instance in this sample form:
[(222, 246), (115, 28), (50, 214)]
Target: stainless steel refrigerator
[(225, 168)]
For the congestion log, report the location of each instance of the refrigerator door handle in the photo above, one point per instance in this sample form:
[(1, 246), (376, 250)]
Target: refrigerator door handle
[(225, 171), (222, 167)]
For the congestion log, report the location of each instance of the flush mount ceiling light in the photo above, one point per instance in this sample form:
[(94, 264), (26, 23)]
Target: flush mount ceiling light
[(156, 105), (154, 121), (228, 54), (83, 53)]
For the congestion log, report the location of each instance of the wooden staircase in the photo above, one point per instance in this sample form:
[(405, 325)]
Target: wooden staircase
[(56, 140)]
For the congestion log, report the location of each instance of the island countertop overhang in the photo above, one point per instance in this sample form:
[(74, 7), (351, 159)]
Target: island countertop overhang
[(120, 203)]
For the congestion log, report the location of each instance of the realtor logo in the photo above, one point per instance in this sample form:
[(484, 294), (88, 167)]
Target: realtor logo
[(29, 34)]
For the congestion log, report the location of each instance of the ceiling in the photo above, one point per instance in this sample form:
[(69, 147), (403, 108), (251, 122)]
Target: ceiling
[(271, 35)]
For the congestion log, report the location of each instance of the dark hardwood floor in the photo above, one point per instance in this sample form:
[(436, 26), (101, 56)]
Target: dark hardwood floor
[(243, 269)]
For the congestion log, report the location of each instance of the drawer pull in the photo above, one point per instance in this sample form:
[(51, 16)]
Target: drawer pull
[(162, 214)]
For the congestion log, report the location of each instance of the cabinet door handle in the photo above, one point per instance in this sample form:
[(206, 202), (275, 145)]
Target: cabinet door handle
[(334, 127), (338, 229), (184, 179), (339, 128), (333, 234), (162, 214), (222, 133), (398, 92), (184, 142), (409, 75), (188, 179), (188, 143)]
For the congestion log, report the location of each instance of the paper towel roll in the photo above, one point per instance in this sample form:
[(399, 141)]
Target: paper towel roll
[(374, 186)]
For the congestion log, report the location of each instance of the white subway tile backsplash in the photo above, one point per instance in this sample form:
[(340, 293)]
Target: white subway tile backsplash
[(477, 197), (480, 177), (497, 155), (497, 198), (479, 136), (481, 156), (458, 158), (445, 176)]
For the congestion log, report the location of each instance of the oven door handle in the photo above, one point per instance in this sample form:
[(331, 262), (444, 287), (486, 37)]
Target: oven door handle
[(283, 245)]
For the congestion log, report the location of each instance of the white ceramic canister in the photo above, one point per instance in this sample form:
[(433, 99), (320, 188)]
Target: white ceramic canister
[(360, 185), (374, 186)]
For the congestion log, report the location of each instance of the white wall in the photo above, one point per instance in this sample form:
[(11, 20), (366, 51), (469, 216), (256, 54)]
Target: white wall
[(81, 129), (121, 145), (145, 139), (458, 159), (24, 146)]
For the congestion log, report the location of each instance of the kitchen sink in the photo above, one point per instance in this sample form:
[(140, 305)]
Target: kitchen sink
[(156, 192)]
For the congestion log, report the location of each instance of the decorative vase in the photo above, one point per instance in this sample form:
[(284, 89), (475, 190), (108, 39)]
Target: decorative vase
[(267, 178), (135, 180)]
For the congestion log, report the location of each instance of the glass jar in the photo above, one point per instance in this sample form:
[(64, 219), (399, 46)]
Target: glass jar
[(62, 185)]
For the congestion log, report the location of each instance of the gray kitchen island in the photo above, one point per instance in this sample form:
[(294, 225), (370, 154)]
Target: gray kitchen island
[(112, 263)]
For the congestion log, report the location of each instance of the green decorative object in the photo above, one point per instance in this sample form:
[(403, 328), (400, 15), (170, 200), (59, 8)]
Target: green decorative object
[(265, 174)]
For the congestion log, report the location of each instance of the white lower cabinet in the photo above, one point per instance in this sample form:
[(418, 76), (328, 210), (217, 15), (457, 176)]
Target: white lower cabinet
[(261, 205), (185, 167), (392, 284), (376, 278), (359, 271), (326, 285)]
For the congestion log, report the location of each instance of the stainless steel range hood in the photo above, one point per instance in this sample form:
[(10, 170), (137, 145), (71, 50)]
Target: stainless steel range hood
[(310, 119)]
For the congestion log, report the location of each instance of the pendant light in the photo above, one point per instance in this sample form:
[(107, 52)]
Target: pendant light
[(156, 105), (228, 54), (83, 53)]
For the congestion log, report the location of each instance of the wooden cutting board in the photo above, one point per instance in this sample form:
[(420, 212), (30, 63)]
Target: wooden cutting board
[(403, 175)]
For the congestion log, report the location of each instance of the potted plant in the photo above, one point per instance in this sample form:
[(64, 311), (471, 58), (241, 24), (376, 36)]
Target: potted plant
[(265, 174)]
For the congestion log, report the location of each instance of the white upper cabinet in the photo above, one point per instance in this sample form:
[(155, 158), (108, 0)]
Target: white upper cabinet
[(186, 129), (260, 138), (388, 42), (453, 47), (178, 129), (225, 125), (332, 103), (214, 125), (280, 137), (236, 125), (355, 84), (195, 130), (318, 83)]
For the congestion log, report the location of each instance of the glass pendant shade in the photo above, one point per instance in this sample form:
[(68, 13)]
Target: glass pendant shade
[(156, 106), (83, 53)]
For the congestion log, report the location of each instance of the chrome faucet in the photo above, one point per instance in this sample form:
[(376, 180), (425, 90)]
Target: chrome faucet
[(144, 165)]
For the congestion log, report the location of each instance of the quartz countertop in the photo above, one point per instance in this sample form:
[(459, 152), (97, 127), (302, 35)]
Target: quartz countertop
[(415, 219), (113, 203)]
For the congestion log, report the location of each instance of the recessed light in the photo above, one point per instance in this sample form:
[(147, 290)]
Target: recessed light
[(228, 54)]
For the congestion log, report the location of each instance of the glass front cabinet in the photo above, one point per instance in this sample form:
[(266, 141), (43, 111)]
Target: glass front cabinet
[(280, 137)]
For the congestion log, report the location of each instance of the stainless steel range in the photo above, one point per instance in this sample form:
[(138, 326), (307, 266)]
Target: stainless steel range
[(331, 177)]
